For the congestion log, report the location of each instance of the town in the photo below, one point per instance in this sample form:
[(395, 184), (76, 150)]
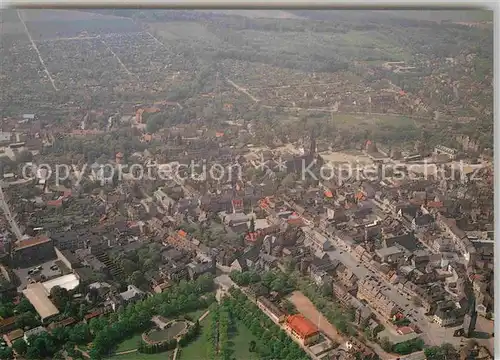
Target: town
[(170, 190)]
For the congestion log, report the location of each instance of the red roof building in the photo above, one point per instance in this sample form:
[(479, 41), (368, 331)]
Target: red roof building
[(302, 328)]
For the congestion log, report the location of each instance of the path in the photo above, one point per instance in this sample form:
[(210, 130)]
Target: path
[(242, 90), (37, 51), (200, 319), (116, 57), (84, 353), (125, 352), (175, 353)]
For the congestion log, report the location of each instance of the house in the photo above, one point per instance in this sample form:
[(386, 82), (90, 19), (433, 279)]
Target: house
[(270, 309), (316, 240), (130, 296), (7, 324), (391, 254), (302, 329), (33, 332), (196, 269), (422, 223), (369, 289), (446, 315)]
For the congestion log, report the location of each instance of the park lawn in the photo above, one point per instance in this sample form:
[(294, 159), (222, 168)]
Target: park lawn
[(196, 314), (129, 344), (196, 350), (241, 338), (137, 356)]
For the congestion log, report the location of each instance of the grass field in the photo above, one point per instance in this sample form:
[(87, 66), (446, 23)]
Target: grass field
[(196, 314), (129, 344), (239, 338)]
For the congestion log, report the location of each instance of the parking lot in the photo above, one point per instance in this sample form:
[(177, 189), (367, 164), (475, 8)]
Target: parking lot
[(46, 273)]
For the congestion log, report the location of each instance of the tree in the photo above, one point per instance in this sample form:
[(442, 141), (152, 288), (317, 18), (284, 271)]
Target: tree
[(6, 353), (252, 346), (20, 346), (60, 297), (137, 279), (80, 334), (27, 319)]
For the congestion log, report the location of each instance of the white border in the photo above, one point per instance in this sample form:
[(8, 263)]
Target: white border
[(257, 3)]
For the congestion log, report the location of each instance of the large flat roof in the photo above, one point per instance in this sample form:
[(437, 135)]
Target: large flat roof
[(38, 296), (68, 282)]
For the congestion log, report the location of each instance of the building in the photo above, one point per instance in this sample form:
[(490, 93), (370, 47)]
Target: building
[(7, 324), (302, 329), (391, 254), (451, 153), (270, 309), (470, 318), (369, 289), (38, 294), (316, 240), (33, 251), (33, 332), (446, 315)]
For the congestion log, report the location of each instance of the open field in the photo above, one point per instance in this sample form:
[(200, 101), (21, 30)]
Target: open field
[(129, 344)]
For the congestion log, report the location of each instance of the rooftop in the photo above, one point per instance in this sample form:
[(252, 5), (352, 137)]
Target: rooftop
[(68, 282), (301, 325), (38, 296), (23, 244)]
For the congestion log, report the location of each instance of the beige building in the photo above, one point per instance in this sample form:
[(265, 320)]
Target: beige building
[(370, 290)]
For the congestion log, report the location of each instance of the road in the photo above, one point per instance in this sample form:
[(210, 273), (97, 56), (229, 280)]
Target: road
[(13, 224), (37, 51), (242, 90)]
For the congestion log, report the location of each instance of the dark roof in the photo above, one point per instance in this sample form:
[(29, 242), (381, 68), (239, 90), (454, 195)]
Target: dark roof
[(408, 241), (424, 220)]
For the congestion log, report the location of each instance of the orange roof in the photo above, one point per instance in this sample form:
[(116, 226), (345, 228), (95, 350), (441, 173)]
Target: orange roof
[(182, 233), (219, 134), (301, 325), (31, 242), (328, 194), (56, 203), (435, 204)]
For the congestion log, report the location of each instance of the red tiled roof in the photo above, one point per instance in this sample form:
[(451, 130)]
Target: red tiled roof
[(32, 242), (301, 325), (56, 203), (182, 233)]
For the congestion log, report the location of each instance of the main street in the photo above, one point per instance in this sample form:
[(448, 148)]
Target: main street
[(432, 333)]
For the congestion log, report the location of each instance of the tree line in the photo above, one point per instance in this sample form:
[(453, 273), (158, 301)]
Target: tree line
[(274, 342)]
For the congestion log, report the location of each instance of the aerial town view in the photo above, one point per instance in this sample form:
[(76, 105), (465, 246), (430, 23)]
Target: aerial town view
[(246, 184)]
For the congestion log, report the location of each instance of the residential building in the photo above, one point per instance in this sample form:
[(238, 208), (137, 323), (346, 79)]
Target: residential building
[(33, 251), (7, 324), (270, 309), (391, 254), (33, 332), (302, 329), (369, 289)]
